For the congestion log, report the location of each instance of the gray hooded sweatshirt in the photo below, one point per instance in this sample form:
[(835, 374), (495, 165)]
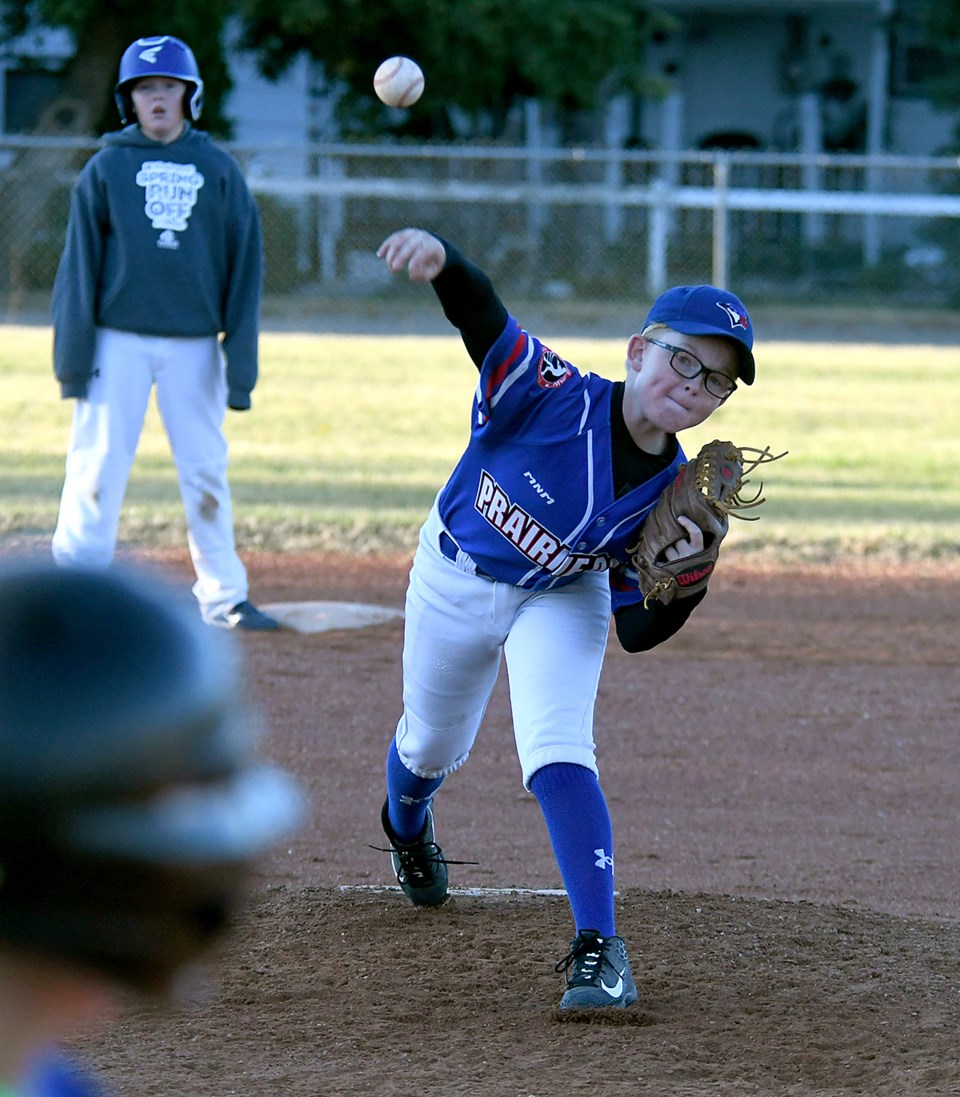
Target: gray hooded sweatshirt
[(162, 240)]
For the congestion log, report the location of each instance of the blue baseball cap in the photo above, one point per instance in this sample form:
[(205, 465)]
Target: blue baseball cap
[(707, 310)]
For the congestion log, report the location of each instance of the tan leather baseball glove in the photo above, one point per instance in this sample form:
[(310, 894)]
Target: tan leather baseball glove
[(706, 490)]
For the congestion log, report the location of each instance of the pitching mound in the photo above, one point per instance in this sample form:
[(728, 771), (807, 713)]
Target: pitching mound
[(361, 993)]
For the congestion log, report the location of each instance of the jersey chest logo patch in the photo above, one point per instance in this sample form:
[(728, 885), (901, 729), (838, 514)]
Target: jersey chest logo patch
[(170, 193), (552, 371)]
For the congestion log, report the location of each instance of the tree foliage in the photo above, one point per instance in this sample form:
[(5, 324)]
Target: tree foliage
[(103, 29), (480, 57)]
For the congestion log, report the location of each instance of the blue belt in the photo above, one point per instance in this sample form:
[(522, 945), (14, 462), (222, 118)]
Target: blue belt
[(450, 549)]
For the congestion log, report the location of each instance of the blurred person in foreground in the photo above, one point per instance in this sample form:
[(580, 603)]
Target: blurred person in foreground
[(132, 806)]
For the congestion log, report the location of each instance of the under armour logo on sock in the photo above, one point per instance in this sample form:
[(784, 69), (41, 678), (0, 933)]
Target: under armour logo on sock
[(603, 861)]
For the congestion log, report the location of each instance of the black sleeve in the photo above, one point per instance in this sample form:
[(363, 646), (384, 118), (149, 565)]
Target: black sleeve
[(469, 302), (640, 629)]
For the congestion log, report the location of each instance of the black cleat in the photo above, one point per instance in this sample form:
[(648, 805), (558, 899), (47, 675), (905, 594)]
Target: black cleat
[(598, 973), (420, 866), (245, 615)]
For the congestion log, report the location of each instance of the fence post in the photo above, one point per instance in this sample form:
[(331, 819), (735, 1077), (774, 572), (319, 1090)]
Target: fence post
[(657, 238), (876, 126), (615, 125), (721, 257), (533, 138), (811, 143), (331, 222)]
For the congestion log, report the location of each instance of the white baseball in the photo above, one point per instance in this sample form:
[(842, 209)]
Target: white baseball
[(398, 82)]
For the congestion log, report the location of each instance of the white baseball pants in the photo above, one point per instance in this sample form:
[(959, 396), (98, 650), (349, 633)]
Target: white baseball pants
[(457, 627), (191, 398)]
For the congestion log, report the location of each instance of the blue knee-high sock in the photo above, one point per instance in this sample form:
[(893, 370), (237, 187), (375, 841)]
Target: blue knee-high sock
[(578, 821), (408, 797)]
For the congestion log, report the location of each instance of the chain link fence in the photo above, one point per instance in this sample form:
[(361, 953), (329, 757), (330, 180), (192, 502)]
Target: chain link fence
[(552, 224)]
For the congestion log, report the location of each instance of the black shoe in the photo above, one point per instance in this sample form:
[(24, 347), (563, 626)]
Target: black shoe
[(598, 973), (420, 866), (245, 615)]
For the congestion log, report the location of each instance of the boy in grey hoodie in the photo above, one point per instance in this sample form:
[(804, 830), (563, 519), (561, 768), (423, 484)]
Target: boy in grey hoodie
[(163, 255)]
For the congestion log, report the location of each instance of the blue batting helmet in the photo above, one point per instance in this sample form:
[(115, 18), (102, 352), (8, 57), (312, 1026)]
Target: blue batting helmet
[(163, 55)]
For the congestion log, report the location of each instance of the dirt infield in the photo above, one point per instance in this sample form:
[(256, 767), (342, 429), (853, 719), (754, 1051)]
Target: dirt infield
[(784, 777)]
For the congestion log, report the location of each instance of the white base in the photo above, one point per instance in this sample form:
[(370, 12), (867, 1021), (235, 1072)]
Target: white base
[(310, 617)]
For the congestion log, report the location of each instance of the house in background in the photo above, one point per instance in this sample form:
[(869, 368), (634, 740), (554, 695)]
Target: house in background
[(796, 76)]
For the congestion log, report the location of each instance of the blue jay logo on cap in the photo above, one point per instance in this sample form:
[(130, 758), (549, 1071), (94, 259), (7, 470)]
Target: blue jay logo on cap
[(737, 318)]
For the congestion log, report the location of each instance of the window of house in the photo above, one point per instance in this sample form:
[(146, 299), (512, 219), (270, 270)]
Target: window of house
[(915, 59), (26, 93)]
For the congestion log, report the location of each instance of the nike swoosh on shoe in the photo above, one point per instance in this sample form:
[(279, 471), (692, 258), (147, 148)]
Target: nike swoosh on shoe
[(616, 990)]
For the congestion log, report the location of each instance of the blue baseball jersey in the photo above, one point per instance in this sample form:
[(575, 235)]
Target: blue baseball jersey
[(532, 500)]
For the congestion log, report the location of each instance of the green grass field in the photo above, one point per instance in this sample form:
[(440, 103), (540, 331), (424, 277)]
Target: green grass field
[(350, 438)]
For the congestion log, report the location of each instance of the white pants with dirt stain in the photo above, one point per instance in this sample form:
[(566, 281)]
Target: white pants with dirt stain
[(191, 389), (457, 628)]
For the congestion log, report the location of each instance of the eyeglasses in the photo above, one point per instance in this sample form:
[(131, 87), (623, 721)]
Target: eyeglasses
[(689, 367)]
